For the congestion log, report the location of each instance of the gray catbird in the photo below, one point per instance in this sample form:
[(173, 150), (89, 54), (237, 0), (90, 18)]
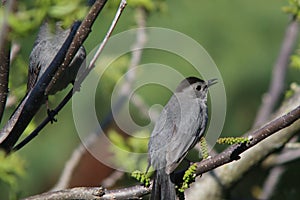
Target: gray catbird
[(45, 48), (180, 126)]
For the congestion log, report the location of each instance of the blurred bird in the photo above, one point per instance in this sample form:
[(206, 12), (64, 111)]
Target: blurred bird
[(179, 128), (46, 46)]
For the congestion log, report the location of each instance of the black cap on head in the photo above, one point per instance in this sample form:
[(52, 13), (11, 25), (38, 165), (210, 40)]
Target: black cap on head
[(187, 82)]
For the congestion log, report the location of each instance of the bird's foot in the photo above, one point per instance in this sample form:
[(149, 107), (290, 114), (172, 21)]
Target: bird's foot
[(51, 115)]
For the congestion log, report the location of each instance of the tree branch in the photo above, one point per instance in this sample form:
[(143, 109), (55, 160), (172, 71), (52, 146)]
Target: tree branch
[(273, 95), (136, 55), (77, 84), (33, 100), (284, 127), (74, 193), (276, 87), (135, 59), (226, 176), (271, 182), (87, 193), (79, 38), (5, 46), (48, 119), (233, 152)]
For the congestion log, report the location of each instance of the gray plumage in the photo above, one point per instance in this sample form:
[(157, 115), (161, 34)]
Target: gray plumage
[(180, 126), (45, 48)]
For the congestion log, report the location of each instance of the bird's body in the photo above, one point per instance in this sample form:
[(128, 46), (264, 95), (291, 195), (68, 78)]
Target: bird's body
[(180, 126), (46, 46)]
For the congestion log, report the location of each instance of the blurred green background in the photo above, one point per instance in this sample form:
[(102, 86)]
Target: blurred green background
[(243, 38)]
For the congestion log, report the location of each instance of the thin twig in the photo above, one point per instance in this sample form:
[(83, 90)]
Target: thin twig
[(137, 50), (143, 107), (48, 119), (282, 158), (111, 180), (72, 163), (271, 182), (276, 87), (275, 91), (276, 163), (5, 46), (108, 34)]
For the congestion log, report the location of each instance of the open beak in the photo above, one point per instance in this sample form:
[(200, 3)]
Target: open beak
[(212, 82)]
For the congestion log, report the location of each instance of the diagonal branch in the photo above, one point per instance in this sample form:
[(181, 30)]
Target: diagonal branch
[(130, 76), (226, 176), (44, 122), (32, 101), (233, 152), (77, 84), (287, 124), (275, 91), (5, 46), (91, 193), (276, 87), (90, 140), (79, 38)]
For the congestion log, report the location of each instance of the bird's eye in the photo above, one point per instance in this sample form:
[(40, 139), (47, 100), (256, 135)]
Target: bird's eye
[(198, 87)]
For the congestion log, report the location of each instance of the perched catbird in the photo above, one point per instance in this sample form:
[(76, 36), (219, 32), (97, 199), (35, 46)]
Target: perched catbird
[(45, 48), (180, 126)]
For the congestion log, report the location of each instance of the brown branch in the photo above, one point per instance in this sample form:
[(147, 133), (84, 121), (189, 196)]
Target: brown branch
[(135, 59), (4, 74), (134, 192), (233, 152), (32, 102), (276, 87), (48, 119), (72, 163), (77, 84), (285, 123), (226, 176), (130, 76), (5, 46), (83, 32), (271, 182), (276, 163), (111, 180), (74, 193), (275, 91), (282, 158)]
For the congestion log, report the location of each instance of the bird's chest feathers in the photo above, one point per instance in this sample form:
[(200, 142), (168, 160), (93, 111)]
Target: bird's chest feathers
[(191, 111)]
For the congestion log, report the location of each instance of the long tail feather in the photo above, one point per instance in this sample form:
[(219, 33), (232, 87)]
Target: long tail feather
[(163, 188)]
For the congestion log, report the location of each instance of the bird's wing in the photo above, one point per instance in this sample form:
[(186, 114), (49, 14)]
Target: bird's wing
[(33, 74), (184, 138), (34, 58), (159, 140)]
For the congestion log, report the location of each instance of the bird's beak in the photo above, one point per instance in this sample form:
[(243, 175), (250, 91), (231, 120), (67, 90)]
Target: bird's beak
[(212, 82)]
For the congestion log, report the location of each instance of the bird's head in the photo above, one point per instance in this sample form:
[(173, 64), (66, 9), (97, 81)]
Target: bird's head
[(195, 87)]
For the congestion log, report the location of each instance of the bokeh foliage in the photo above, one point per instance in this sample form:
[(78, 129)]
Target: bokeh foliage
[(243, 38)]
